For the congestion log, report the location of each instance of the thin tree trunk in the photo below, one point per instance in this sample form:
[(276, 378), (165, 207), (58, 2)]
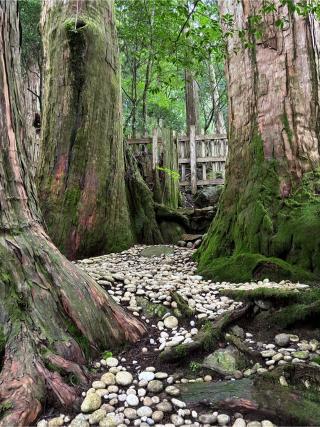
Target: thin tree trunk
[(192, 102), (81, 176), (219, 123), (134, 100), (50, 311), (144, 95), (270, 205)]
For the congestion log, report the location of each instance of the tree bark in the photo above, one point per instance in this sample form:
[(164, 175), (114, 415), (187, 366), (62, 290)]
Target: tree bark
[(81, 173), (270, 205), (192, 102), (51, 313)]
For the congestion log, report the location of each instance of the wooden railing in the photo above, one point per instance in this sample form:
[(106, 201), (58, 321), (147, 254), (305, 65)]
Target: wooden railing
[(201, 158)]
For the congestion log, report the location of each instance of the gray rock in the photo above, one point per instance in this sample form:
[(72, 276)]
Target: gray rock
[(239, 422), (155, 386), (172, 390), (146, 376), (144, 411), (223, 419), (237, 331), (157, 416), (97, 416), (225, 361), (170, 322), (130, 413), (91, 403), (164, 406), (176, 420), (282, 340), (132, 400), (207, 418), (124, 378)]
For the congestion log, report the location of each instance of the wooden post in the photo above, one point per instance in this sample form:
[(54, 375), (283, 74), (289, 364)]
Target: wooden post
[(203, 155), (193, 159), (155, 159)]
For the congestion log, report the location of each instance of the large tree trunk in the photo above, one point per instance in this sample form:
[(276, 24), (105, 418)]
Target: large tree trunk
[(270, 205), (51, 313), (81, 176)]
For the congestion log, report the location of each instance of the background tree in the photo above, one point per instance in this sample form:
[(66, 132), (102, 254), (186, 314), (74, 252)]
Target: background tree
[(269, 213), (51, 313), (159, 39), (81, 174)]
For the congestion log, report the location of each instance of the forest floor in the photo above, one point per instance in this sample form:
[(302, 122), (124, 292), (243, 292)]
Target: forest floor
[(202, 386)]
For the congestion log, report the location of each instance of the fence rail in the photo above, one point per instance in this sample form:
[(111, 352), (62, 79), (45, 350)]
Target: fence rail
[(201, 158)]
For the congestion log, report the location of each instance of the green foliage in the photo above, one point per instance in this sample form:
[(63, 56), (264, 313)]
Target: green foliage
[(159, 39), (107, 354), (194, 366), (30, 11), (172, 173)]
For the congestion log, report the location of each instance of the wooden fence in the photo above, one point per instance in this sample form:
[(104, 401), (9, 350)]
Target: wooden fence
[(201, 158)]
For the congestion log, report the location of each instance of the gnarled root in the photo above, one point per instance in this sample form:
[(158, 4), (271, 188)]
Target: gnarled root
[(52, 315)]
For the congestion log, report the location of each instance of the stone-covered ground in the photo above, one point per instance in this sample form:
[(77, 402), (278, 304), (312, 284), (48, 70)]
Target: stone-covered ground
[(136, 388)]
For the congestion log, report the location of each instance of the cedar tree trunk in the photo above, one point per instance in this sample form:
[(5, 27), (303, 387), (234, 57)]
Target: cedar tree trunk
[(50, 311), (268, 222), (81, 173)]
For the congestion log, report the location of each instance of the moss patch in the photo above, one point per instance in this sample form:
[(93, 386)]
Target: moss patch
[(259, 232)]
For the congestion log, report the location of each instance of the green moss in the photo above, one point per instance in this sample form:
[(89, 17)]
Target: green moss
[(257, 233), (247, 266), (2, 341), (296, 313), (150, 309), (171, 231), (316, 360), (4, 407), (287, 128), (273, 294), (83, 341)]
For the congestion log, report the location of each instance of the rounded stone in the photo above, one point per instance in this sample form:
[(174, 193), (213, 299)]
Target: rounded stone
[(239, 422), (282, 340), (132, 400), (144, 411), (172, 390), (130, 413), (177, 420), (207, 419), (146, 376), (112, 362), (170, 322), (124, 378), (164, 406), (91, 403), (108, 378), (155, 386), (157, 416), (223, 419)]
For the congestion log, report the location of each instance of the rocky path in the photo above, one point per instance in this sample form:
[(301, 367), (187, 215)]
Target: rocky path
[(134, 388)]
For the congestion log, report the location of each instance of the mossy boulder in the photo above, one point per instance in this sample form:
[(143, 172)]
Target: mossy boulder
[(171, 231), (225, 361)]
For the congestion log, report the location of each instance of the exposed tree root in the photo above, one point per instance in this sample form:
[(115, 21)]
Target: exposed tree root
[(53, 315), (241, 346), (207, 338)]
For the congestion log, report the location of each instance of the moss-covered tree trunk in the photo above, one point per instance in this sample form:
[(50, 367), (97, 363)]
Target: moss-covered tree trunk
[(51, 313), (81, 174), (171, 187), (268, 221)]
